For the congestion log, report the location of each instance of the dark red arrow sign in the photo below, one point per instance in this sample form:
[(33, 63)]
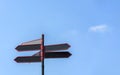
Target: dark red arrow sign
[(32, 47), (35, 58)]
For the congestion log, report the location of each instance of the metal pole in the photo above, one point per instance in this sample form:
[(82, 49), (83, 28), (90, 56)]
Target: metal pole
[(42, 54)]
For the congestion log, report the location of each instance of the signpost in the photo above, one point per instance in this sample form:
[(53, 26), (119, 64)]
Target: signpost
[(42, 53), (47, 51)]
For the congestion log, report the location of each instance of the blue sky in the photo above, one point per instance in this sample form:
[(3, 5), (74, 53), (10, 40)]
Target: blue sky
[(91, 27)]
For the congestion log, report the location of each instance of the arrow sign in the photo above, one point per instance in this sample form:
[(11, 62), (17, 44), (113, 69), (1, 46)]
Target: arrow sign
[(36, 58), (32, 47), (37, 41)]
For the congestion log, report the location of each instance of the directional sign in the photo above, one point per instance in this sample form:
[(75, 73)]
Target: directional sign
[(54, 54), (37, 41), (36, 58), (26, 59), (28, 47), (32, 47)]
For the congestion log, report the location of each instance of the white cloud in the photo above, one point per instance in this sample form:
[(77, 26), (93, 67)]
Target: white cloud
[(99, 28)]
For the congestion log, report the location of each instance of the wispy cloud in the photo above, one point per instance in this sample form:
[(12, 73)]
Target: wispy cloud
[(99, 28)]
